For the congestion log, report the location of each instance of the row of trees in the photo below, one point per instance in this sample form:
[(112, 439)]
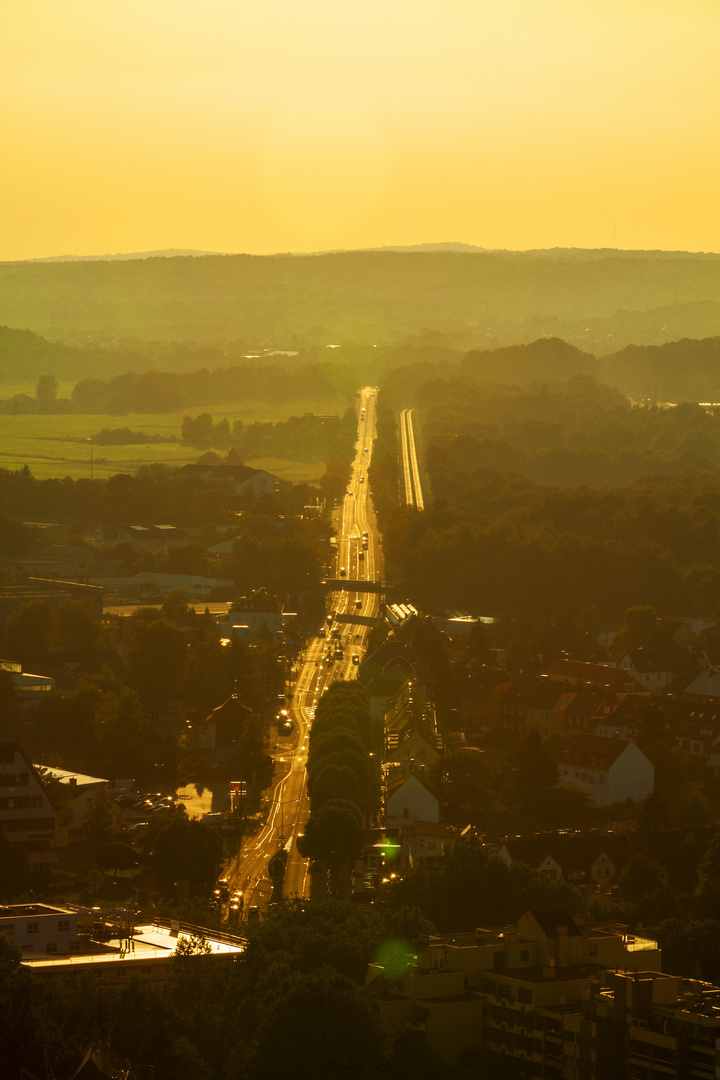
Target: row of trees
[(170, 391), (342, 783), (305, 438)]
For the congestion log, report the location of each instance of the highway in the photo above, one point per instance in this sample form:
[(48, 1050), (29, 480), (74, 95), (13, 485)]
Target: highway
[(287, 806), (413, 495)]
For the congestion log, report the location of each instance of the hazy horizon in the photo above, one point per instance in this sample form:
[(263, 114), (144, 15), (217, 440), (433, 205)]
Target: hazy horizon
[(317, 125), (446, 246)]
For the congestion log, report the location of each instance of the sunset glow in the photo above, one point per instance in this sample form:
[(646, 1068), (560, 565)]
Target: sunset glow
[(300, 125)]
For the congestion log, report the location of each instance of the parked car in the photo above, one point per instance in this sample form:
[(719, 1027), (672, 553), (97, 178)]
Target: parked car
[(128, 798)]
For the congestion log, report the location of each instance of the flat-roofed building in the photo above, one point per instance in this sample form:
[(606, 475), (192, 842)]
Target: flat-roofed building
[(28, 688), (104, 942)]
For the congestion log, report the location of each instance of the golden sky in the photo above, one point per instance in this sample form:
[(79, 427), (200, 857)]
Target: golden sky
[(304, 125)]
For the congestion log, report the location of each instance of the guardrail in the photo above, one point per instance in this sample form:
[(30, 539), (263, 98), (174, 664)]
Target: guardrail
[(199, 931)]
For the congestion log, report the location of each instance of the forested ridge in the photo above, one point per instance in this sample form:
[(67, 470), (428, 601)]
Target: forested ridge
[(553, 499), (161, 377), (369, 296)]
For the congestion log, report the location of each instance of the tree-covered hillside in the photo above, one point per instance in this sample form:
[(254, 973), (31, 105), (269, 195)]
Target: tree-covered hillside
[(368, 296)]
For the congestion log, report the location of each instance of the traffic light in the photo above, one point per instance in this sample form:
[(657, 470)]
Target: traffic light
[(357, 637)]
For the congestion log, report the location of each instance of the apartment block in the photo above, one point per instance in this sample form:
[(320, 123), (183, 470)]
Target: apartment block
[(27, 814)]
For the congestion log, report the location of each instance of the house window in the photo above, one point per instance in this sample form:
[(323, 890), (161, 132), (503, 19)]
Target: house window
[(63, 925), (33, 927), (121, 971), (145, 970), (51, 947), (524, 956), (592, 951), (8, 928), (406, 811)]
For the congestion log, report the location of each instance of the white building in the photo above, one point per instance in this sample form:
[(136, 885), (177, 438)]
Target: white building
[(409, 798), (251, 615), (607, 770)]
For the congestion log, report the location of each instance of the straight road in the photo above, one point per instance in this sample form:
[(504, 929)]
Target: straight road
[(288, 808), (411, 473)]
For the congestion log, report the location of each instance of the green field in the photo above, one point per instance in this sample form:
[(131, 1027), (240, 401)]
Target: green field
[(59, 445)]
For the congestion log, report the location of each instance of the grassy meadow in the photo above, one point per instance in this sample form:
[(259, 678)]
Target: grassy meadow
[(58, 445)]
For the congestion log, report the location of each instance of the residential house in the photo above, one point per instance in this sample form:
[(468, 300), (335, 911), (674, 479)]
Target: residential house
[(655, 668), (386, 670), (218, 733), (409, 796), (243, 479), (606, 770), (704, 686), (28, 815), (692, 724), (580, 858), (590, 706), (411, 727), (253, 615), (422, 839), (78, 791), (536, 702), (624, 721)]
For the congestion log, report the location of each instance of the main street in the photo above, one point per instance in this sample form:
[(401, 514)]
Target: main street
[(287, 805)]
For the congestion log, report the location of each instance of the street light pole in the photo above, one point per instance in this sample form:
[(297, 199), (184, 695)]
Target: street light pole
[(90, 440)]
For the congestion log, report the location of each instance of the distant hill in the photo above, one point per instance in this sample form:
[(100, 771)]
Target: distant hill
[(598, 301), (167, 253), (447, 246)]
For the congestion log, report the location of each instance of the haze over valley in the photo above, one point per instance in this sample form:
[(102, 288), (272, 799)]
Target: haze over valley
[(359, 540)]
